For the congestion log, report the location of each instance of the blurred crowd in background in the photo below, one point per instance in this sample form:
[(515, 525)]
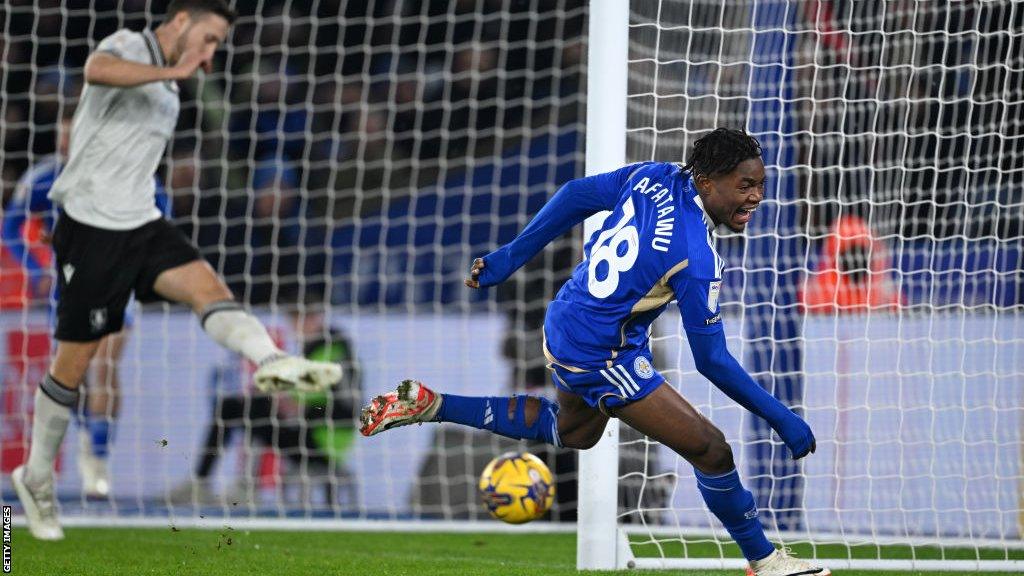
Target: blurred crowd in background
[(359, 145), (318, 114), (318, 157)]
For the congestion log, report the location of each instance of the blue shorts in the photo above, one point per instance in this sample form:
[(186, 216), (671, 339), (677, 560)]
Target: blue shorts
[(629, 379)]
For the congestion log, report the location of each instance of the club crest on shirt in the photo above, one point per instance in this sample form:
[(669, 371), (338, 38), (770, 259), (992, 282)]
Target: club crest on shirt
[(642, 367), (713, 291), (98, 319)]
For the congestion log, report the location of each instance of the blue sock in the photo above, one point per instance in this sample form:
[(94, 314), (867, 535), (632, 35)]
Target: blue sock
[(491, 413), (99, 430), (734, 506)]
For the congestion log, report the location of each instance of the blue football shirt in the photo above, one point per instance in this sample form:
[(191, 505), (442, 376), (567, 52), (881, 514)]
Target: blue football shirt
[(656, 245)]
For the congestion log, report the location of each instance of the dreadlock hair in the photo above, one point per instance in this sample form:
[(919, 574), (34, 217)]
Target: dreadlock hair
[(720, 151)]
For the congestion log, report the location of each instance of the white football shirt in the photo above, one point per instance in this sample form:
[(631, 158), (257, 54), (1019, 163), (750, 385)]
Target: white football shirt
[(118, 137)]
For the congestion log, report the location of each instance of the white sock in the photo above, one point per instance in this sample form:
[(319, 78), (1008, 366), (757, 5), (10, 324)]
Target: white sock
[(52, 414), (239, 331)]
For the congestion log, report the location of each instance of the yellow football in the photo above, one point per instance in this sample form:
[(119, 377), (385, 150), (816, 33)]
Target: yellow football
[(517, 487)]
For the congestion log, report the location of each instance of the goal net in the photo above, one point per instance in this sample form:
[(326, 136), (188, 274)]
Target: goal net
[(877, 291), (345, 162), (340, 167)]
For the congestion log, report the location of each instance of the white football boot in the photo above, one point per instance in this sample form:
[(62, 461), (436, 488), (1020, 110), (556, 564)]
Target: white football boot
[(782, 563), (294, 373), (410, 403), (95, 476), (40, 507)]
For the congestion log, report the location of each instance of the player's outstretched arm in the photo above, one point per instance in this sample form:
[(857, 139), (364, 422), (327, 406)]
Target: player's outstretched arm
[(572, 204), (714, 361), (106, 69)]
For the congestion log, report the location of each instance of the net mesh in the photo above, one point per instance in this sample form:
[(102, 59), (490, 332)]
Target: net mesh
[(340, 167), (878, 289), (346, 160)]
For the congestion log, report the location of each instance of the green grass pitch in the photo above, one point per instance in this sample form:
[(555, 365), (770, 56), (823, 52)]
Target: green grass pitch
[(231, 552)]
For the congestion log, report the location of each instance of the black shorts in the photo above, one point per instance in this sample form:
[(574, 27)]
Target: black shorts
[(98, 269)]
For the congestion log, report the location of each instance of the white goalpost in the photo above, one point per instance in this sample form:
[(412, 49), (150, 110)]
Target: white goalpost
[(914, 396), (597, 538)]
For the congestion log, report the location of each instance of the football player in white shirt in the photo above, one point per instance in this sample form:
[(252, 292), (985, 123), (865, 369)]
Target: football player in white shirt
[(110, 241)]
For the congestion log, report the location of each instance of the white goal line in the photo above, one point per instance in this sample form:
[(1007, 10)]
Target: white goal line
[(466, 526), (823, 538), (836, 564)]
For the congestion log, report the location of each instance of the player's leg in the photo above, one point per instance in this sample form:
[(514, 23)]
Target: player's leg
[(569, 423), (259, 426), (102, 405), (176, 272), (230, 413), (226, 321), (104, 398), (96, 269), (55, 399), (230, 325), (519, 416), (197, 285), (667, 417), (579, 425), (306, 462)]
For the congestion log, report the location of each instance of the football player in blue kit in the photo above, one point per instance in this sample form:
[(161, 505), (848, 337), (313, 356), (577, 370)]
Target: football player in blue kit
[(655, 246)]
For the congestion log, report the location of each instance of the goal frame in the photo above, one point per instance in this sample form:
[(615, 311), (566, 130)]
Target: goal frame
[(599, 544)]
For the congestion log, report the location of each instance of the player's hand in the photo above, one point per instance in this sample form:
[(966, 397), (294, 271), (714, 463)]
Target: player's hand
[(491, 270), (798, 437), (188, 63), (474, 273)]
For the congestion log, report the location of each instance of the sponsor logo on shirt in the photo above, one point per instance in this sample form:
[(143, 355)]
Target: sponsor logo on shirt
[(713, 320)]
